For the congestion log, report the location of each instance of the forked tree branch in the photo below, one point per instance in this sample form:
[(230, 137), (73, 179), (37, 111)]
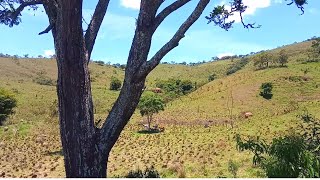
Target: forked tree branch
[(148, 66), (167, 11), (95, 24)]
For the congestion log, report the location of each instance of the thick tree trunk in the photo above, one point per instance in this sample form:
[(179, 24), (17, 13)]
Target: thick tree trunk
[(82, 155)]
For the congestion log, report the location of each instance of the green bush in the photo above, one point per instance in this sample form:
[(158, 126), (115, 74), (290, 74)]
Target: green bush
[(295, 155), (7, 103), (238, 65), (266, 90), (177, 86), (44, 80), (148, 173), (115, 84), (285, 157), (212, 77)]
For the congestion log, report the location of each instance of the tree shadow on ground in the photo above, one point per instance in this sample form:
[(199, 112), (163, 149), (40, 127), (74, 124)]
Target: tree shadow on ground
[(151, 131)]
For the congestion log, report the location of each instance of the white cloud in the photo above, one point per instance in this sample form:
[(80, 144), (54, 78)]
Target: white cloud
[(278, 1), (49, 53), (225, 54), (132, 4)]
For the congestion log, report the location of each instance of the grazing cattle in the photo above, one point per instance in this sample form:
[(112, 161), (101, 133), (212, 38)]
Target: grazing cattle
[(157, 90), (246, 114)]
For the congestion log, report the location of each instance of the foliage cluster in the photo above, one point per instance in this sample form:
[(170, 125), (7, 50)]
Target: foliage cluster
[(174, 88), (289, 156), (265, 60), (148, 173), (7, 103), (44, 80), (212, 77), (266, 90), (150, 105), (237, 66), (115, 84)]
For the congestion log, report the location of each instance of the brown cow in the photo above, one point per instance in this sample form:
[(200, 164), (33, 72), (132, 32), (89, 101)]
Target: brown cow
[(157, 90)]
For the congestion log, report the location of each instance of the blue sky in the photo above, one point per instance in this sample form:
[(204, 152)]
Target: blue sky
[(281, 25)]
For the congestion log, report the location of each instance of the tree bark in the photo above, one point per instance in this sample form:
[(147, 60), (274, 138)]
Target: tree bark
[(82, 156)]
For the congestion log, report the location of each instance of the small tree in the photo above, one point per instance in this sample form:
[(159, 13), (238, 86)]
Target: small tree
[(150, 105), (115, 84), (266, 90), (283, 58), (7, 103)]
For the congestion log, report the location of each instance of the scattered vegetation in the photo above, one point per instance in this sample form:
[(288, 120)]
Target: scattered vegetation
[(44, 80), (238, 65), (290, 156), (7, 103), (148, 173)]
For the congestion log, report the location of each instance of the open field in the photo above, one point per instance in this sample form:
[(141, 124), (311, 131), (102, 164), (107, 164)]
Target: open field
[(199, 127)]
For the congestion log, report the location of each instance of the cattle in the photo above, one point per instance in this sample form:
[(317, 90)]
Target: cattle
[(157, 90), (246, 115)]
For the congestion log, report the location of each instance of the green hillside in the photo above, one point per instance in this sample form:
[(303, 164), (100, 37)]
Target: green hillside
[(199, 127)]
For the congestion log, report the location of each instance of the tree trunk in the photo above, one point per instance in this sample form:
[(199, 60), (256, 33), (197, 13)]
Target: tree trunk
[(82, 156)]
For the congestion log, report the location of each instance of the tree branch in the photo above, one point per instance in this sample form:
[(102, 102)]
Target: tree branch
[(23, 4), (167, 11), (95, 24), (148, 66), (48, 29)]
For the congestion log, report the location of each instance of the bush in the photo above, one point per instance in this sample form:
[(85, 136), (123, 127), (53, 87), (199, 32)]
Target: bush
[(177, 86), (7, 103), (44, 80), (285, 157), (148, 173), (295, 155), (266, 90), (115, 84), (212, 77), (237, 66)]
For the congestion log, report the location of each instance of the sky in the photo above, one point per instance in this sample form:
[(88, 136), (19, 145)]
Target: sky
[(280, 25)]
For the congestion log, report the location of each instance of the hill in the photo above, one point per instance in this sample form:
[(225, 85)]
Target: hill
[(199, 127)]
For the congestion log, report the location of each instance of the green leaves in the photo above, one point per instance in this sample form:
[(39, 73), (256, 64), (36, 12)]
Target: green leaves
[(286, 156), (150, 105)]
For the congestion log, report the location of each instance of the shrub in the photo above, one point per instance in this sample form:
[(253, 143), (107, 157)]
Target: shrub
[(176, 86), (285, 157), (212, 77), (237, 66), (7, 103), (266, 90), (115, 84), (148, 173), (44, 80)]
